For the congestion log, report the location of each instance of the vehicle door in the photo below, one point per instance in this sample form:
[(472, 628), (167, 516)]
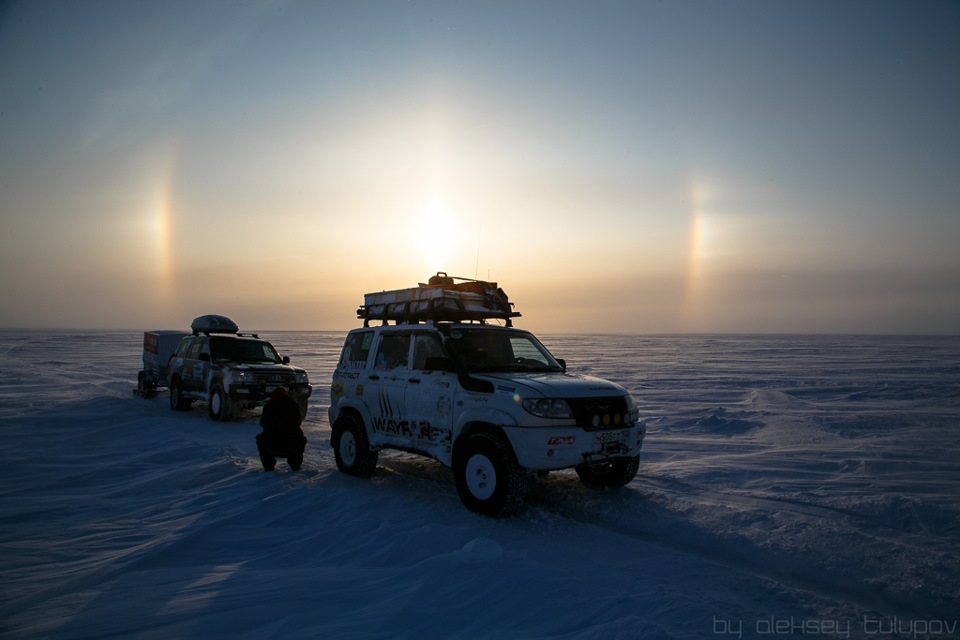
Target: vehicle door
[(192, 367), (429, 395), (203, 371), (387, 382)]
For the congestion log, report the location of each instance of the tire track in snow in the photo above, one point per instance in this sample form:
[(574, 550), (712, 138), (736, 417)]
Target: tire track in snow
[(733, 529)]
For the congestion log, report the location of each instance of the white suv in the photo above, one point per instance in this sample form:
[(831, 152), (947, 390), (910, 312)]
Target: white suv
[(487, 400)]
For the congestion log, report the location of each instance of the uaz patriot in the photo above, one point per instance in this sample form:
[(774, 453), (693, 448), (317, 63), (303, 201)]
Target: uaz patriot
[(436, 377)]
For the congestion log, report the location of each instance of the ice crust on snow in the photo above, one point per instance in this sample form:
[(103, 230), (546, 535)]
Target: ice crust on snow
[(811, 479)]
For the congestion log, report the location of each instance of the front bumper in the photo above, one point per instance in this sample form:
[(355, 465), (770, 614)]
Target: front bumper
[(551, 448), (260, 393)]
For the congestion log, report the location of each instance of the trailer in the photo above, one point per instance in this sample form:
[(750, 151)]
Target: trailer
[(158, 349)]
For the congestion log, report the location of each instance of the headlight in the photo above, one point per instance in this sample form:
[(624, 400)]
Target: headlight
[(548, 407), (302, 377), (243, 377), (633, 412)]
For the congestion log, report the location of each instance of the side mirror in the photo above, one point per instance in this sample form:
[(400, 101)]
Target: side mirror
[(439, 363), (286, 359), (563, 364), (204, 357)]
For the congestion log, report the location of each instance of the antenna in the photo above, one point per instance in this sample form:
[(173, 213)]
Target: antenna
[(476, 269)]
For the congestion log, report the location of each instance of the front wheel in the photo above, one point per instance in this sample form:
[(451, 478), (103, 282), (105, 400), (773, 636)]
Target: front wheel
[(488, 478), (613, 473), (177, 401), (351, 447), (220, 406)]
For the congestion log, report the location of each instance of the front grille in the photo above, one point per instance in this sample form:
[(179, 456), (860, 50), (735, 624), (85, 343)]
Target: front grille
[(274, 378), (595, 414)]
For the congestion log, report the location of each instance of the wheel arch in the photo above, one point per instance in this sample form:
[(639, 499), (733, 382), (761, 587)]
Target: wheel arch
[(479, 426), (343, 410), (483, 421)]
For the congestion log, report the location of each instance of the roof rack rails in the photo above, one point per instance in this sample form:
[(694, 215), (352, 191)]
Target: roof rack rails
[(441, 299)]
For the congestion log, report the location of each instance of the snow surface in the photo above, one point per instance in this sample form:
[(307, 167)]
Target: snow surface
[(791, 486)]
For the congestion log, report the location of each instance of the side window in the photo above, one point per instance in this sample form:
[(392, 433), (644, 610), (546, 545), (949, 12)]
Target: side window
[(194, 352), (184, 347), (524, 350), (425, 345), (356, 350), (393, 352)]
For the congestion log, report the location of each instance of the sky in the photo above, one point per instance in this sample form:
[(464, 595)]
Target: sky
[(786, 166)]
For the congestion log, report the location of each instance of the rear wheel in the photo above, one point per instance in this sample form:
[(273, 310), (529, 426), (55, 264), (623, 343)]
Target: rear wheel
[(615, 472), (221, 409), (351, 447), (488, 478), (177, 401)]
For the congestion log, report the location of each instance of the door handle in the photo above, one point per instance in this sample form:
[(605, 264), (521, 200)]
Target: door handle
[(414, 380), (373, 377)]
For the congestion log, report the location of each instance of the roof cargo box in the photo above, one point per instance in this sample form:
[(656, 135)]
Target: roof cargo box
[(213, 323), (441, 299)]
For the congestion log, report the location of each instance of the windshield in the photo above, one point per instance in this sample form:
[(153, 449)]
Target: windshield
[(242, 350), (486, 351)]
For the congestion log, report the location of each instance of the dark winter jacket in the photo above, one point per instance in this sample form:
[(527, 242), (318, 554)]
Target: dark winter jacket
[(281, 420)]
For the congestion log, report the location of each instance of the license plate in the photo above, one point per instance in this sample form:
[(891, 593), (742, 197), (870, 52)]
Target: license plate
[(613, 436)]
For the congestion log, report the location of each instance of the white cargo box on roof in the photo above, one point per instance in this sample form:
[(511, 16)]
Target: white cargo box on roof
[(213, 323), (440, 299)]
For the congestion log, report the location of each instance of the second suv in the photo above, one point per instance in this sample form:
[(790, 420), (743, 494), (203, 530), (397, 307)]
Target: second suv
[(230, 370)]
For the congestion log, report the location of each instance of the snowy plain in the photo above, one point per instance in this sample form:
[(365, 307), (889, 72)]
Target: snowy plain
[(790, 486)]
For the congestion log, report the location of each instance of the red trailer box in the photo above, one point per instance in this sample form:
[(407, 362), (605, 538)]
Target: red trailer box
[(158, 348)]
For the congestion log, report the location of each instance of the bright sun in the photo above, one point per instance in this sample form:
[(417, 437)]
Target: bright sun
[(435, 236)]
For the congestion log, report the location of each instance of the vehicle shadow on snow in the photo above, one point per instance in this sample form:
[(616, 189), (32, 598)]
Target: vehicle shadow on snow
[(656, 510), (559, 493)]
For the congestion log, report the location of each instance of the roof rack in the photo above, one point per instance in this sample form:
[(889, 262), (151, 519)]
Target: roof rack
[(441, 299)]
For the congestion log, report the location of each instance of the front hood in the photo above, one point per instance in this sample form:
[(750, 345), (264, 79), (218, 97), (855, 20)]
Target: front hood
[(552, 385)]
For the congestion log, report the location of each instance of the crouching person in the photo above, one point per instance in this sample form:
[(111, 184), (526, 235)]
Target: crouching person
[(282, 436)]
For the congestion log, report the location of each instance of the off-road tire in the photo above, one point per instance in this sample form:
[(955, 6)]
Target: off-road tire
[(612, 473), (221, 408), (488, 478), (351, 447), (177, 401)]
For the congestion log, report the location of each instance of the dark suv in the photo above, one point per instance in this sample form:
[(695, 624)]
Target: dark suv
[(230, 370)]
